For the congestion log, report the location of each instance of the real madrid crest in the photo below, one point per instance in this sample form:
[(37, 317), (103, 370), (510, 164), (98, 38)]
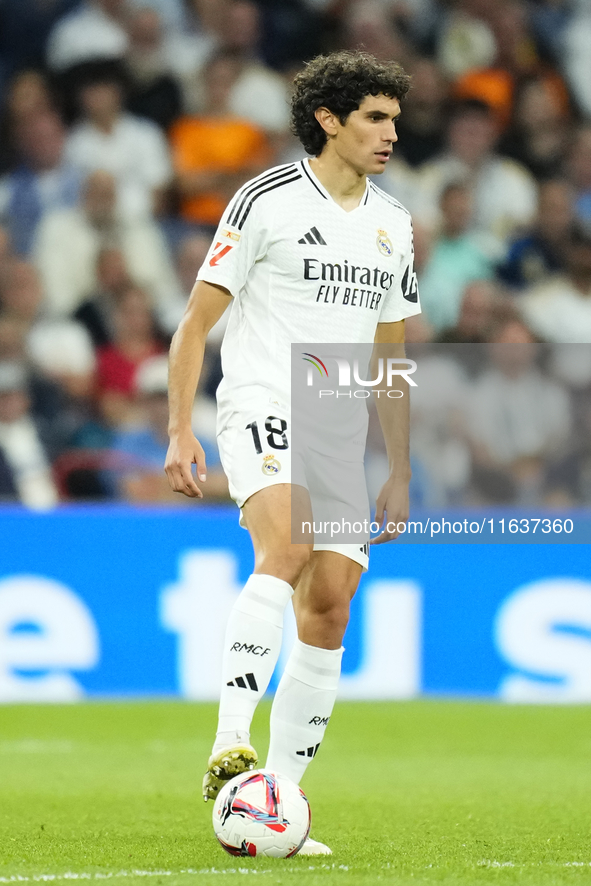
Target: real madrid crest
[(270, 465), (384, 243)]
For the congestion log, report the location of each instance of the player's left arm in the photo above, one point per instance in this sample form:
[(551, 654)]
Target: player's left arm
[(392, 504)]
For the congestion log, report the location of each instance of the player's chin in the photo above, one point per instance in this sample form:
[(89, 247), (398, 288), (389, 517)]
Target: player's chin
[(378, 166)]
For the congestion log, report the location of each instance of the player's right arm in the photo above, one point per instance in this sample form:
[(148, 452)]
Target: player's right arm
[(206, 305)]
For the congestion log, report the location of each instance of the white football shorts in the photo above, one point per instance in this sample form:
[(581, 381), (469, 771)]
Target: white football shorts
[(255, 451)]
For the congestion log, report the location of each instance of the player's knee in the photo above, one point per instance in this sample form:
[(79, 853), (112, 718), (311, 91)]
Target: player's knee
[(336, 620), (331, 616), (287, 563)]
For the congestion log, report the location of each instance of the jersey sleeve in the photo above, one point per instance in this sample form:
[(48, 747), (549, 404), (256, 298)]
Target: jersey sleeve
[(239, 242), (402, 299)]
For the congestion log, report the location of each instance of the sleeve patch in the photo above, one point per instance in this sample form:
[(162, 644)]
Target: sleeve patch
[(219, 252)]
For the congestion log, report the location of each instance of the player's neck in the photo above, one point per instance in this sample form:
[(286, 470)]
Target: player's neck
[(345, 185)]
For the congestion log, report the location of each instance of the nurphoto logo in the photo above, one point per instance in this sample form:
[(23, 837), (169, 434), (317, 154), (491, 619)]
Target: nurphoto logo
[(387, 370)]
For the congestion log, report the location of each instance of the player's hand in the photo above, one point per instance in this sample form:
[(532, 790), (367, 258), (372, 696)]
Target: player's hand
[(184, 451), (391, 509)]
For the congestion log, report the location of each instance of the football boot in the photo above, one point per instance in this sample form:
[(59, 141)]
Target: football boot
[(313, 847), (224, 765)]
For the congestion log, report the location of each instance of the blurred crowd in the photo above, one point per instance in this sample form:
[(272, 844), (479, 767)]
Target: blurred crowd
[(504, 422), (126, 125)]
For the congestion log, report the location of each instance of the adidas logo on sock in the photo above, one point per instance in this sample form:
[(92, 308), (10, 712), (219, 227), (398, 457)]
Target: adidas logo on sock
[(241, 682), (309, 752), (314, 237)]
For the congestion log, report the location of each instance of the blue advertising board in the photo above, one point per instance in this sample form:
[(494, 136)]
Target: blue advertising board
[(114, 601)]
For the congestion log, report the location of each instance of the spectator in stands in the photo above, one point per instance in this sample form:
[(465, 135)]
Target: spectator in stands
[(69, 242), (548, 19), (293, 31), (27, 95), (141, 448), (133, 150), (541, 252), (112, 281), (190, 255), (575, 55), (568, 480), (13, 335), (370, 25), (541, 129), (520, 418), (61, 403), (504, 193), (210, 14), (217, 152), (458, 256), (559, 309), (187, 51), (21, 296), (24, 30), (515, 59), (153, 91), (517, 52), (439, 419), (25, 473), (466, 39), (5, 246), (172, 13), (93, 31), (421, 128), (61, 349), (579, 172), (257, 93), (419, 19), (47, 398), (41, 180), (481, 302), (136, 338)]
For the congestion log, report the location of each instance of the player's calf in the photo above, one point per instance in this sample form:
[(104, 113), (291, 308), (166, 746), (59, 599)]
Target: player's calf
[(302, 708), (251, 648)]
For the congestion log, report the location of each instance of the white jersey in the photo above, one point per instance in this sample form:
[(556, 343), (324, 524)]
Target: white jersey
[(302, 269)]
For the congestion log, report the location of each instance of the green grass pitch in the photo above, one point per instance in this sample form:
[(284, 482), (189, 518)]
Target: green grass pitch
[(417, 792)]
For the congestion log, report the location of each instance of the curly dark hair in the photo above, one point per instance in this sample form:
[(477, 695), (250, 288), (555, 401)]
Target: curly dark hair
[(340, 81)]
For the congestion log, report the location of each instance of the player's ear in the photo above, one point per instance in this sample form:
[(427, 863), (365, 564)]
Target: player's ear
[(327, 120)]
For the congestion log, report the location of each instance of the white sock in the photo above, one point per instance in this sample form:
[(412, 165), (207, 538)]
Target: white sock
[(251, 649), (302, 708)]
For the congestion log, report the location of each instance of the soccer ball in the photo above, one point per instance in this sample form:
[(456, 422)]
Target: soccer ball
[(261, 813)]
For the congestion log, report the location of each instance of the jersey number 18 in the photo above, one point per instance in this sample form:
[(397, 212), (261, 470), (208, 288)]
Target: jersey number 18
[(276, 436)]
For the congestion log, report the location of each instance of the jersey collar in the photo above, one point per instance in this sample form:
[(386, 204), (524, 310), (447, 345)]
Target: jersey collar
[(314, 182)]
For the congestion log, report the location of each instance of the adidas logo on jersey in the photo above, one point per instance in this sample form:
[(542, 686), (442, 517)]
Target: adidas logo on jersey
[(241, 682), (314, 237), (309, 752)]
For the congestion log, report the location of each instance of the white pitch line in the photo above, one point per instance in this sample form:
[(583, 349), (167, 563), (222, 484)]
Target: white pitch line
[(111, 875), (511, 864), (72, 875), (36, 746)]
